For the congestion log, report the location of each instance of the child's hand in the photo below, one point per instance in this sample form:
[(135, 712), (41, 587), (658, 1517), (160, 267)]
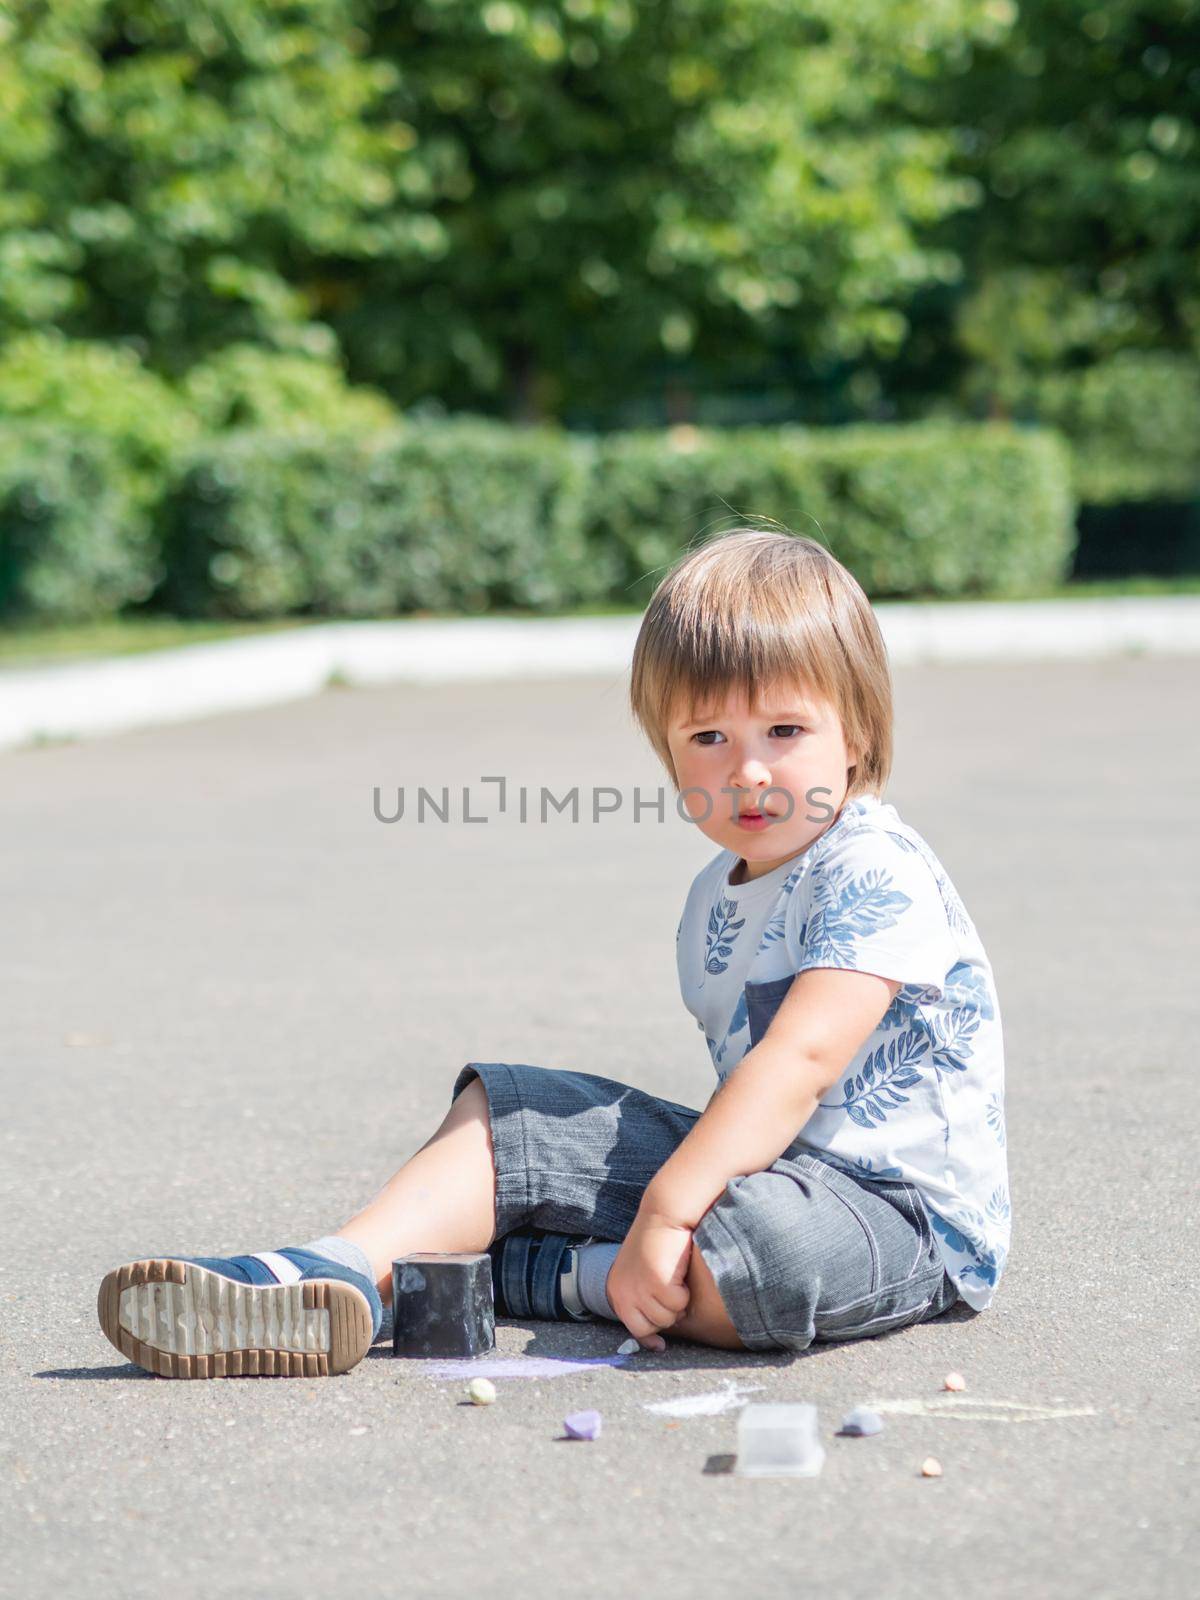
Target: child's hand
[(646, 1284)]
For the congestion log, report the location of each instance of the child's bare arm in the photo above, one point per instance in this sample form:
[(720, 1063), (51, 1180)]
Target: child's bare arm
[(824, 1019)]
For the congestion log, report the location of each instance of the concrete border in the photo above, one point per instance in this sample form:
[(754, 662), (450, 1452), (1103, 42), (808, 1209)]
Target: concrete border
[(113, 694)]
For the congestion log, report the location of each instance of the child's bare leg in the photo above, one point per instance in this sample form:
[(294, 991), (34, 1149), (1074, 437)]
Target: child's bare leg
[(442, 1199)]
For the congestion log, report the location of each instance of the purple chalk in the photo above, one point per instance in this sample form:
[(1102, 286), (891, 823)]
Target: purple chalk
[(583, 1424)]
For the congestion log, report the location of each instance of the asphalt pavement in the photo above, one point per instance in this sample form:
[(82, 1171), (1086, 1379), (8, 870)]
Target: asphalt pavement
[(234, 1001)]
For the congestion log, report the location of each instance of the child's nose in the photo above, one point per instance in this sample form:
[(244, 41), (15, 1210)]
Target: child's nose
[(750, 772)]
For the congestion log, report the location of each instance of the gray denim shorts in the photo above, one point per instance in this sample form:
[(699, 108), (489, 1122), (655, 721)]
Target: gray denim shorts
[(800, 1252)]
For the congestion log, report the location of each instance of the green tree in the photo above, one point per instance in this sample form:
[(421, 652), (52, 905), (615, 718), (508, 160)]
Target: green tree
[(513, 205), (1077, 131), (167, 165), (674, 190)]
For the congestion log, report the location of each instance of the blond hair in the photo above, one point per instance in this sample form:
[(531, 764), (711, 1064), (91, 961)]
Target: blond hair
[(753, 608)]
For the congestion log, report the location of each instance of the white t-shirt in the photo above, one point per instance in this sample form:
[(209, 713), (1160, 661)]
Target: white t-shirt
[(923, 1100)]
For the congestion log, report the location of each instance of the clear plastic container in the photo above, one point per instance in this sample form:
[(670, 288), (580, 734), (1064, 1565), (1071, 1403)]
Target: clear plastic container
[(779, 1439)]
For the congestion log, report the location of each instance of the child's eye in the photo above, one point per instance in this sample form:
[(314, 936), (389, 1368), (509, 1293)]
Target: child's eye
[(791, 727)]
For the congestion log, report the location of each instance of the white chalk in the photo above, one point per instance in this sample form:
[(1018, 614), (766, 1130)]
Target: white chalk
[(779, 1439), (710, 1404)]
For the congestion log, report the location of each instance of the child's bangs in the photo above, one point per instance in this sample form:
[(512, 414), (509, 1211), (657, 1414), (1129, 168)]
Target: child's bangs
[(755, 663)]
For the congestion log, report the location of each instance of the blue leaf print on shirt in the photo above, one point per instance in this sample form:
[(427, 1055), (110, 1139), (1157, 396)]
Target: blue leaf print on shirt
[(722, 933), (987, 1261), (898, 1013), (998, 1207), (848, 910), (875, 1090), (904, 842), (956, 912), (736, 1023), (995, 1117), (865, 1170), (950, 1034), (777, 924), (966, 985)]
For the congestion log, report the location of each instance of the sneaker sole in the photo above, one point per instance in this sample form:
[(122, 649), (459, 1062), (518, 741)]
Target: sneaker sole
[(179, 1320)]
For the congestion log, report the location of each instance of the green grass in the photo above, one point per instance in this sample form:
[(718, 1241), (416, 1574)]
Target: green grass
[(30, 645), (34, 645)]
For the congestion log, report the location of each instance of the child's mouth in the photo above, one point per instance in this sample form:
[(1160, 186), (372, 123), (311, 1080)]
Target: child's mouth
[(752, 819)]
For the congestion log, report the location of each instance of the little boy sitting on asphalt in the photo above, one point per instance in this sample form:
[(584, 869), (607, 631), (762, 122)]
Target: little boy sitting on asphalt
[(848, 1176)]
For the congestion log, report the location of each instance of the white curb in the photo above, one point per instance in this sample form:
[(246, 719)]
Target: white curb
[(117, 693)]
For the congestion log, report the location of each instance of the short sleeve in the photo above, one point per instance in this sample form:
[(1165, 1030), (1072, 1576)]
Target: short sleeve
[(871, 903)]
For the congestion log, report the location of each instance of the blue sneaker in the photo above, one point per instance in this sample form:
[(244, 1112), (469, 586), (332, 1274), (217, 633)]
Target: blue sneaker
[(278, 1313), (537, 1275)]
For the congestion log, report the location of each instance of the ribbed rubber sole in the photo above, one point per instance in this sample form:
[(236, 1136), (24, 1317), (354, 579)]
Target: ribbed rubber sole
[(179, 1320)]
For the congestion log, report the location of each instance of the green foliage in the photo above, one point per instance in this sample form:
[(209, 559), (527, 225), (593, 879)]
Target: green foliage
[(72, 544), (237, 214), (86, 440), (1134, 425), (474, 516), (89, 437), (467, 515), (622, 191), (245, 386), (514, 206), (1077, 131), (102, 390), (173, 172), (931, 509)]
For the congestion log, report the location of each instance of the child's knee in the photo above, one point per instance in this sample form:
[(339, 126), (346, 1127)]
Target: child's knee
[(706, 1320)]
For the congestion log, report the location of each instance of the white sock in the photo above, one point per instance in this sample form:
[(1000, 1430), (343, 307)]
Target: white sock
[(343, 1250), (594, 1264)]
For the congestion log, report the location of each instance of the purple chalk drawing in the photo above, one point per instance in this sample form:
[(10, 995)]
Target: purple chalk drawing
[(517, 1367)]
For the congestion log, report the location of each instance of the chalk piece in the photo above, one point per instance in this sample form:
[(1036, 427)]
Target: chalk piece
[(931, 1467), (443, 1304), (583, 1424), (954, 1380), (481, 1391), (630, 1347), (779, 1439), (861, 1423)]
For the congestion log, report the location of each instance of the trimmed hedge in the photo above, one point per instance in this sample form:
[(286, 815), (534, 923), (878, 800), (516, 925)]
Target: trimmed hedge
[(458, 515), (469, 515), (74, 541), (931, 508), (1133, 423), (474, 515)]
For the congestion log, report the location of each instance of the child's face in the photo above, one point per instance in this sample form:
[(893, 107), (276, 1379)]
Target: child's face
[(792, 743)]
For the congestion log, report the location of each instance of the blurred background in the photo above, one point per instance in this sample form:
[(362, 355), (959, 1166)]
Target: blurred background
[(346, 308)]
